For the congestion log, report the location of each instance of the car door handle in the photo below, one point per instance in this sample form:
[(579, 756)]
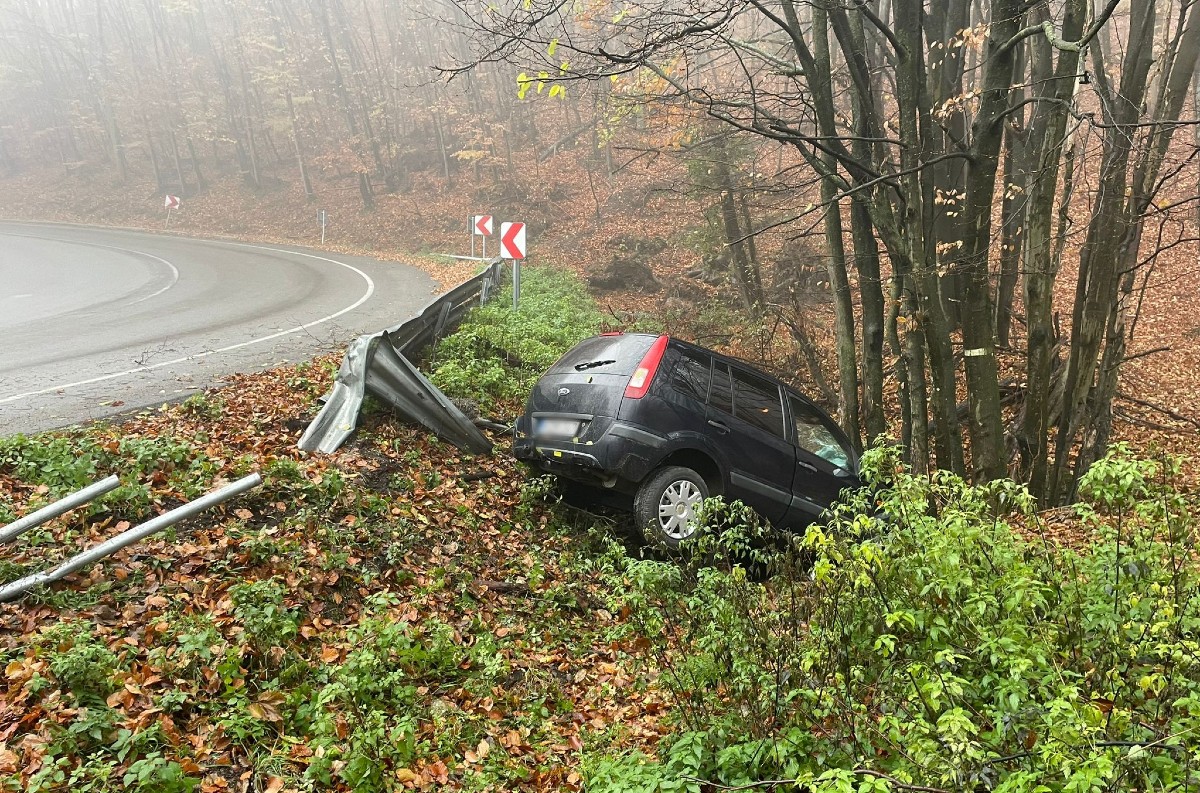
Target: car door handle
[(721, 428), (812, 469)]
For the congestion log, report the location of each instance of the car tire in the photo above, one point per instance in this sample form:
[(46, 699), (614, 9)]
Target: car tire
[(666, 503)]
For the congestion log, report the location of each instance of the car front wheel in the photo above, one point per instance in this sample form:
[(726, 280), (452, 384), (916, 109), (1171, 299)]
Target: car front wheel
[(667, 502)]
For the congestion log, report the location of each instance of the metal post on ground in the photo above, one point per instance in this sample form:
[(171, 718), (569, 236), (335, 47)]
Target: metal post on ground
[(60, 507), (129, 537), (471, 231)]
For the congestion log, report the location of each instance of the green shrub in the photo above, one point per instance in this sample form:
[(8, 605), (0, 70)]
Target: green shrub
[(373, 692), (498, 354), (205, 406), (947, 651), (259, 607), (79, 661), (59, 462)]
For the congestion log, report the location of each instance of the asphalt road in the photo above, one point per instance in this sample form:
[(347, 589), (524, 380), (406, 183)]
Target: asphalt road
[(95, 322)]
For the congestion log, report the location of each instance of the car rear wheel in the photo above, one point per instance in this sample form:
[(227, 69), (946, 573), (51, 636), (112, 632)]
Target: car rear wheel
[(667, 502)]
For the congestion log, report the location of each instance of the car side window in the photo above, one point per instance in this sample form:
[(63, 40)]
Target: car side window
[(690, 375), (758, 402), (814, 437), (721, 394)]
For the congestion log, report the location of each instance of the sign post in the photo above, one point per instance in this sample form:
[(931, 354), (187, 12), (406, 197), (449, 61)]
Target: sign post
[(481, 226), (321, 217), (512, 246), (171, 202)]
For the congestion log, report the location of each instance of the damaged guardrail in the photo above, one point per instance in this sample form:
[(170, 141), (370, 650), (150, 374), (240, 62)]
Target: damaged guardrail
[(375, 364), (60, 507), (129, 537)]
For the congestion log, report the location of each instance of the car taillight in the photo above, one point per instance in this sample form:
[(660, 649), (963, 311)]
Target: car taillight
[(639, 384)]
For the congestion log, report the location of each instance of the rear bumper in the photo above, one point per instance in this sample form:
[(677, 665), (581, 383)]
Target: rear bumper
[(620, 458)]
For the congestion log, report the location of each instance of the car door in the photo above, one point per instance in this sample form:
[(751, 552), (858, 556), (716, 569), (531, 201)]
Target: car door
[(746, 413), (824, 465)]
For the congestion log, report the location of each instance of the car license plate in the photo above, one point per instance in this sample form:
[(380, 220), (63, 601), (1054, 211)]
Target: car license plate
[(557, 428)]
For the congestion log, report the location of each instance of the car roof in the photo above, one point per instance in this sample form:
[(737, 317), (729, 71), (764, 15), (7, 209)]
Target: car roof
[(727, 359)]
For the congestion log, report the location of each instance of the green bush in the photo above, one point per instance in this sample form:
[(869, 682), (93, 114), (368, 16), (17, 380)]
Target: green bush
[(79, 661), (498, 354), (948, 651), (374, 692), (268, 623)]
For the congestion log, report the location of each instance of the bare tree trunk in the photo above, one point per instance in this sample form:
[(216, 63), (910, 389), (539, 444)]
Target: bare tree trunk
[(158, 177), (1048, 129), (304, 178), (983, 384), (178, 163), (200, 183), (910, 247), (1181, 54), (870, 287), (839, 280), (1013, 185), (1097, 284)]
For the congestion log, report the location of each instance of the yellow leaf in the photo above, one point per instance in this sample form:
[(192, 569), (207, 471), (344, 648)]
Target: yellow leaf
[(553, 46)]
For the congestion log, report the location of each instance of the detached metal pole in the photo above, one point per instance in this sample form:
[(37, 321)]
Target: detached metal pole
[(63, 505), (129, 537)]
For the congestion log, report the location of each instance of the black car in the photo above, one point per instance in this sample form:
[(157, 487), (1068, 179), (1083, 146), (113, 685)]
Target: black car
[(669, 423)]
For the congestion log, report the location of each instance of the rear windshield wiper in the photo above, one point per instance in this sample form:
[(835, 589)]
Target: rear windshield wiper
[(579, 367)]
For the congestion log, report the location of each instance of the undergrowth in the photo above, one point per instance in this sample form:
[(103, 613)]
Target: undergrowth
[(946, 651)]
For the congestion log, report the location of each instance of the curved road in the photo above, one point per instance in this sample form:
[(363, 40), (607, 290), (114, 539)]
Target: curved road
[(95, 322)]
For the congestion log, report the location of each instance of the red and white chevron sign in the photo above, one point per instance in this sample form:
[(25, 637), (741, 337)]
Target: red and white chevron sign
[(483, 225), (512, 240), (172, 202)]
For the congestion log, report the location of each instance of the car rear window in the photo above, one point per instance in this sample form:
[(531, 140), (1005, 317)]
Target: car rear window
[(605, 355)]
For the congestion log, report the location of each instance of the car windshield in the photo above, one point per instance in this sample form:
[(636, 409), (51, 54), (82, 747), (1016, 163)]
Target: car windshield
[(813, 436)]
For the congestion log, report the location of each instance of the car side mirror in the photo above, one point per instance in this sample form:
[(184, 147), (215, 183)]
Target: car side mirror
[(841, 473)]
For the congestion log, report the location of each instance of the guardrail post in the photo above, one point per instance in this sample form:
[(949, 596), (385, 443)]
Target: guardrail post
[(129, 537), (60, 507)]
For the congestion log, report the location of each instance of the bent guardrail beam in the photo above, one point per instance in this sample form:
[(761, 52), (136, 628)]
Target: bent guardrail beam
[(129, 537), (376, 364), (60, 507)]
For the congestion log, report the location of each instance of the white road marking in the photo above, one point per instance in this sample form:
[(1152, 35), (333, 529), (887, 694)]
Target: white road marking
[(130, 251), (174, 276), (114, 375)]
